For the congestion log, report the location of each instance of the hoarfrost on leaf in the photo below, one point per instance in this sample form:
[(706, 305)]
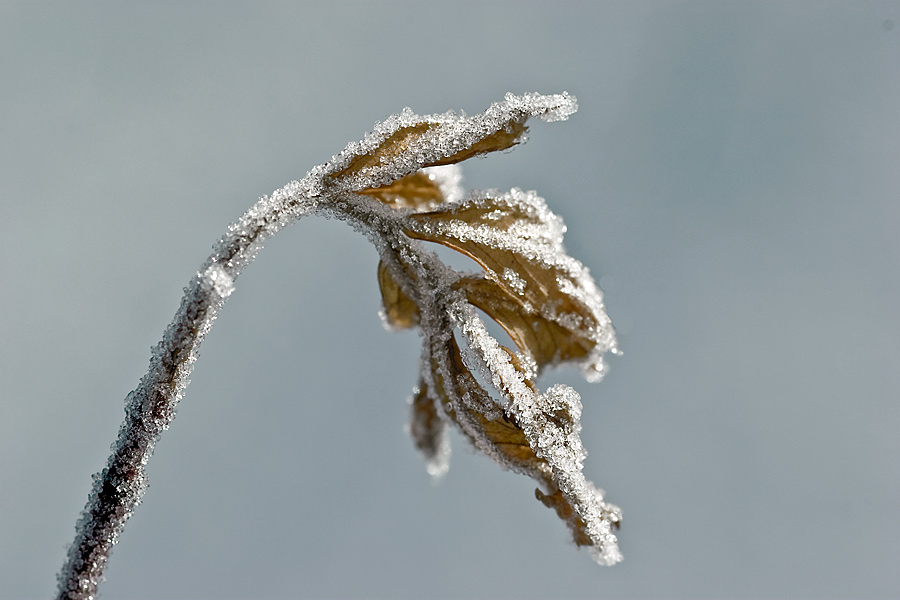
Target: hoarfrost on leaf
[(545, 300), (401, 186)]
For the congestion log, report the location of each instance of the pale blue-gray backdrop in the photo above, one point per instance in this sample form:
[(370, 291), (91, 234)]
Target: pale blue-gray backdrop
[(731, 179)]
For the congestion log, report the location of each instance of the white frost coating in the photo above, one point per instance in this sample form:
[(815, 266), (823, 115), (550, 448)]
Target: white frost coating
[(449, 179), (524, 237), (218, 278), (514, 281)]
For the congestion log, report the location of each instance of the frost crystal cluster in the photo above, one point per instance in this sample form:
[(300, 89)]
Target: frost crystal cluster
[(401, 187)]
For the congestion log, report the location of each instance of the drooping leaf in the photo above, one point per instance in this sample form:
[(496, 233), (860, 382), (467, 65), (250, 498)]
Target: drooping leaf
[(406, 143), (399, 310), (565, 511), (394, 147), (543, 298), (508, 135), (547, 447), (545, 340), (468, 404), (427, 430), (418, 191)]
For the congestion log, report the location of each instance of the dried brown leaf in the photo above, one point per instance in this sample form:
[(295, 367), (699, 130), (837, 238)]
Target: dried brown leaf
[(427, 428), (393, 147), (545, 340), (477, 408), (400, 311), (503, 438), (407, 142), (418, 191), (566, 512), (544, 299), (529, 295), (502, 139)]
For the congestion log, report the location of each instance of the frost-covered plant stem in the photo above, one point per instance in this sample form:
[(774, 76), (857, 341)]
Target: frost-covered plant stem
[(151, 407), (400, 187)]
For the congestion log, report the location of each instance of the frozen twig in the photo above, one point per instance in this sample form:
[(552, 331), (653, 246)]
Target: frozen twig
[(400, 186), (151, 407)]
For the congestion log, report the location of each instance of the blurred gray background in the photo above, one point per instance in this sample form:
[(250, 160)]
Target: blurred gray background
[(731, 179)]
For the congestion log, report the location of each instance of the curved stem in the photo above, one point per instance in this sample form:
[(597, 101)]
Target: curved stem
[(151, 407)]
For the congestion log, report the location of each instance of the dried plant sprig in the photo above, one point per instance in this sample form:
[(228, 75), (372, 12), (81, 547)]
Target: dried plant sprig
[(400, 187)]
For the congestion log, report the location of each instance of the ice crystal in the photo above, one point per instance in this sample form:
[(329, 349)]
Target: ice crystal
[(400, 186)]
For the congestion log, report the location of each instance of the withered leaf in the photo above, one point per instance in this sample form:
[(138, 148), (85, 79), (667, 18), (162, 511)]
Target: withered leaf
[(407, 142), (549, 435), (545, 340), (564, 511), (394, 147), (498, 435), (427, 430), (400, 311), (433, 144), (418, 191), (542, 298), (501, 139)]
